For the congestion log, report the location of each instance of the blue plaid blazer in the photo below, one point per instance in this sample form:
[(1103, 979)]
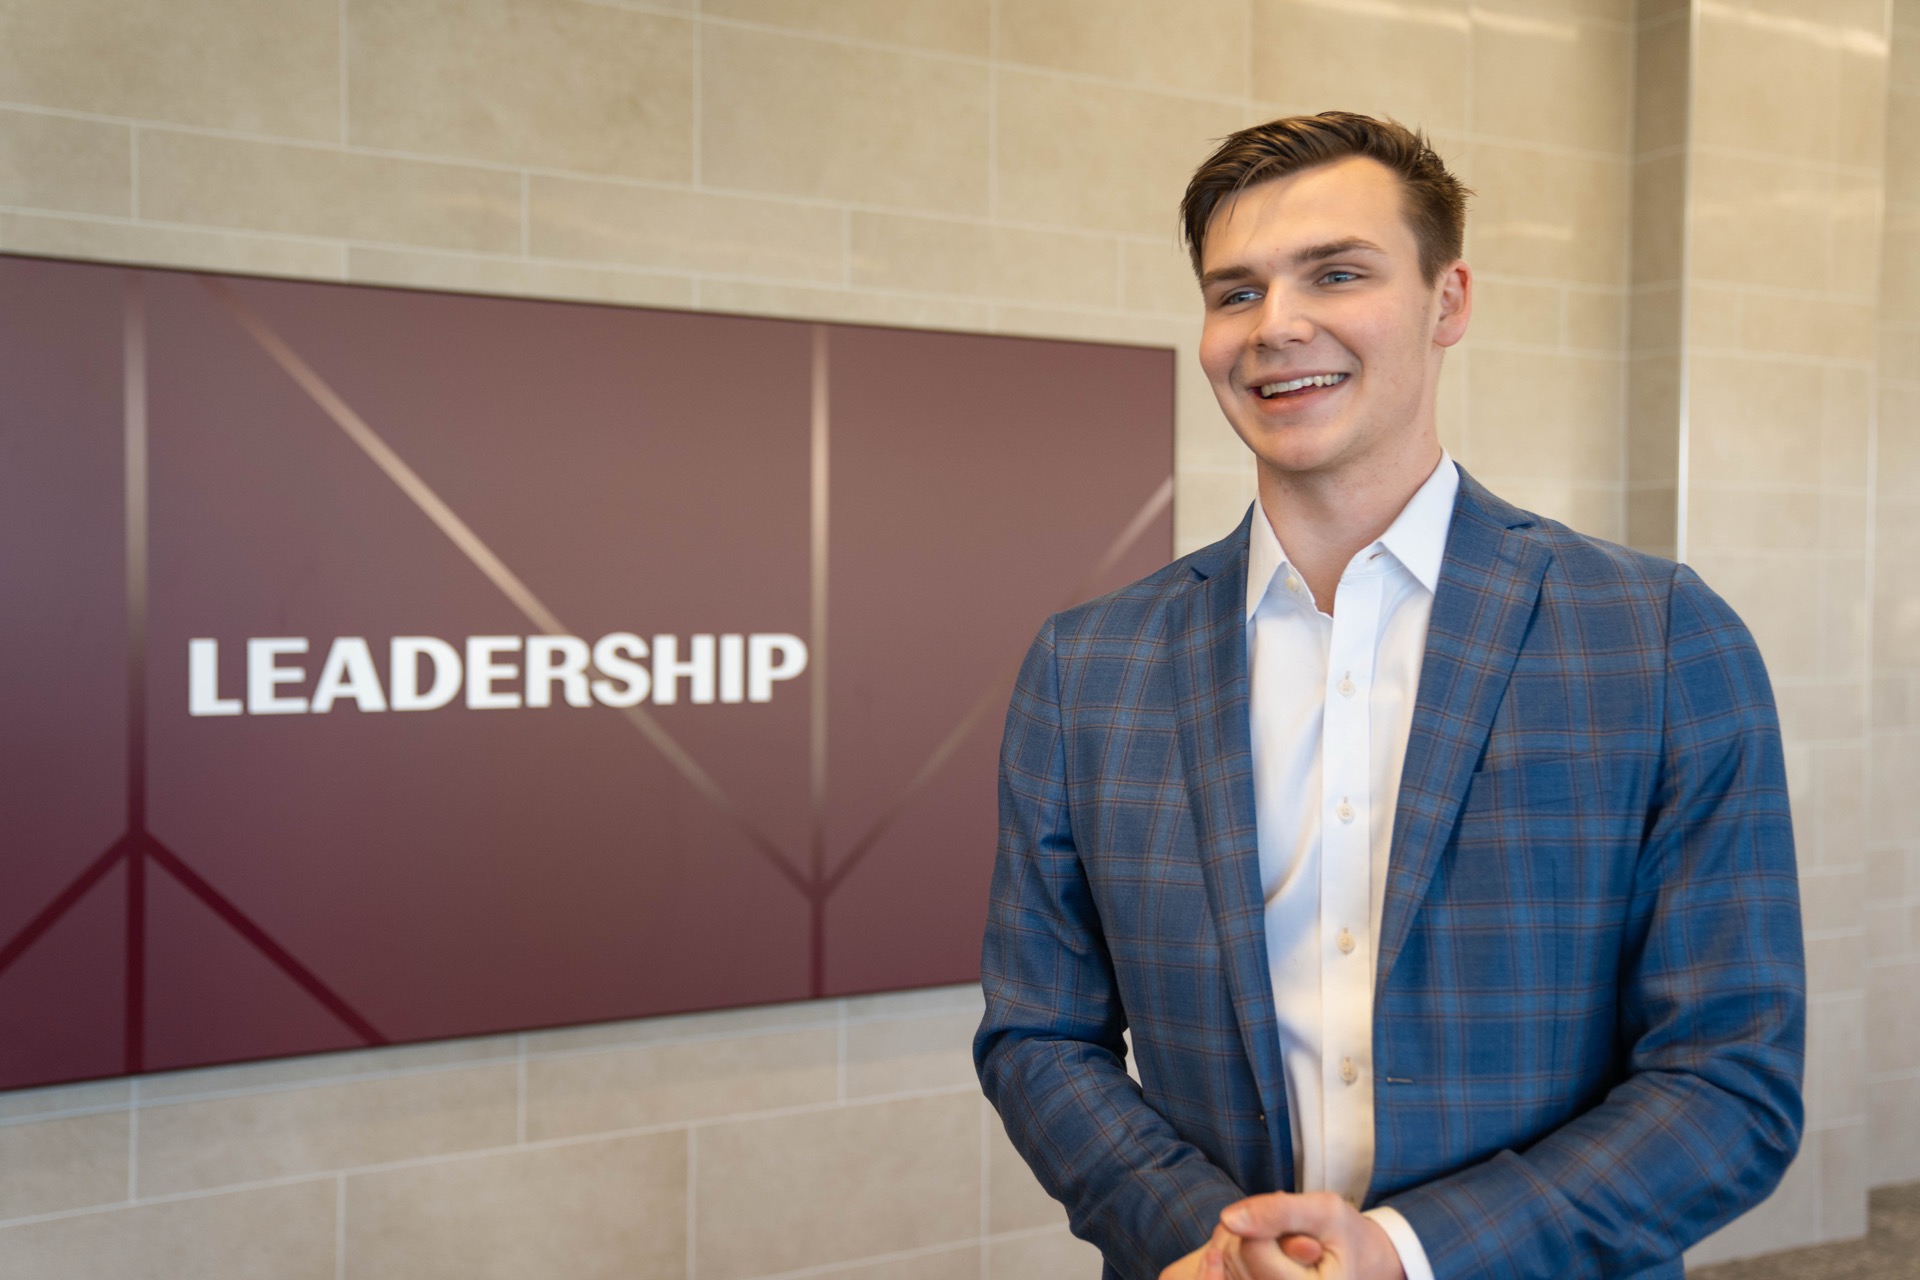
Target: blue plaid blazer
[(1590, 1003)]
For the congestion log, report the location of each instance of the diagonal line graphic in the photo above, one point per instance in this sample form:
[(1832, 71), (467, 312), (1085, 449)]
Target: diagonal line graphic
[(62, 903), (243, 924), (996, 692), (496, 571), (1149, 511)]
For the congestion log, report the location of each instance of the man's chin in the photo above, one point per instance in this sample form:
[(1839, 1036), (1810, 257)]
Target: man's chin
[(1301, 451)]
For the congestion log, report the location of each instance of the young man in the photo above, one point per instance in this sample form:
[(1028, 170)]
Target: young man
[(1436, 856)]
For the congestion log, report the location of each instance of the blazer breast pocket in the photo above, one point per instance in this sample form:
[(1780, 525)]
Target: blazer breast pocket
[(1533, 894), (1515, 860), (1527, 806), (1561, 829), (1542, 780)]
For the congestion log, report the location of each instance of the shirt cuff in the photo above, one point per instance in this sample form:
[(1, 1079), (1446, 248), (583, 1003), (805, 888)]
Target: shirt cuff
[(1413, 1258)]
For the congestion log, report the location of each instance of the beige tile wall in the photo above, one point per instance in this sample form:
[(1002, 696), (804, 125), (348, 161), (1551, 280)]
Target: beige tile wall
[(998, 165), (1893, 843), (842, 1137), (1784, 167), (1532, 103), (1002, 166), (1659, 292)]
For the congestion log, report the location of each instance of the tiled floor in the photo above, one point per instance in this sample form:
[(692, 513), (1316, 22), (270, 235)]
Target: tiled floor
[(1891, 1250)]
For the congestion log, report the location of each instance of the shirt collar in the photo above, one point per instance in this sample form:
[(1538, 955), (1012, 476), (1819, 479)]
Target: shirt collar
[(1417, 537)]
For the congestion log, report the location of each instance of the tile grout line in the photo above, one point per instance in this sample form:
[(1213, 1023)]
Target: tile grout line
[(1463, 137), (1871, 558), (1623, 513), (970, 59), (1246, 65), (693, 1219), (1684, 347), (993, 110), (520, 1109), (1466, 351), (68, 1113), (823, 1270), (840, 1058), (344, 134), (133, 1140), (823, 1022), (688, 1125), (340, 1228), (133, 176), (327, 1082), (1893, 1077), (698, 90), (986, 1189)]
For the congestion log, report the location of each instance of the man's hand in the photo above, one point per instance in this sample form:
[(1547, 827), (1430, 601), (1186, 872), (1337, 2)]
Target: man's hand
[(1290, 1237), (1208, 1262), (1220, 1259)]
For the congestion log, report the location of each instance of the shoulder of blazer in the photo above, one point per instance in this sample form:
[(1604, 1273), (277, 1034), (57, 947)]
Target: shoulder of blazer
[(1138, 610), (1585, 571)]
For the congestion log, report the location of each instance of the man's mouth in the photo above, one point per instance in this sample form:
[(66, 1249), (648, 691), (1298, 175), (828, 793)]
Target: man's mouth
[(1300, 386)]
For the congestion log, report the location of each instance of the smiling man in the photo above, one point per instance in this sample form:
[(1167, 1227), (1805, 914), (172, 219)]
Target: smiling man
[(1436, 857)]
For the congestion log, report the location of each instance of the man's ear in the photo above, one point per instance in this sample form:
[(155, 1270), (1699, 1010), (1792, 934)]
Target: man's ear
[(1456, 304)]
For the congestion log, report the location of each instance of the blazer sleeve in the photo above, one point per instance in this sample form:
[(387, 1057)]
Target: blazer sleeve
[(1712, 1007), (1050, 1051)]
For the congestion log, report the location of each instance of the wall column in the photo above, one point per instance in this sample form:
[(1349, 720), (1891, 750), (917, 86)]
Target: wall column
[(1893, 848), (1760, 174)]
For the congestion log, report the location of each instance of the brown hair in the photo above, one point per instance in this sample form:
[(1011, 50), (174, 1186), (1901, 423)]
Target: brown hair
[(1436, 201)]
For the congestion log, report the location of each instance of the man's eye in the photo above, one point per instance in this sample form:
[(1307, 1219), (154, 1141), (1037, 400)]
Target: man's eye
[(1339, 277), (1237, 296)]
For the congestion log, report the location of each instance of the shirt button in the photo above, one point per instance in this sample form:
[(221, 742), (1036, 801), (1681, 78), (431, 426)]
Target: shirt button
[(1348, 1072), (1345, 811), (1293, 583), (1346, 687), (1345, 942)]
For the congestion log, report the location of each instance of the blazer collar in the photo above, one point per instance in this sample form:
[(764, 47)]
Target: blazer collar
[(1489, 585), (1210, 690)]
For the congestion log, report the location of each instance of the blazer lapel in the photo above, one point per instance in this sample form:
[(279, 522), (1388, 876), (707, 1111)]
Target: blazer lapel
[(1210, 683), (1489, 584)]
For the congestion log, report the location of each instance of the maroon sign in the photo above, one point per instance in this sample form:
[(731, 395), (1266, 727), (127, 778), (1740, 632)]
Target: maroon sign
[(383, 666)]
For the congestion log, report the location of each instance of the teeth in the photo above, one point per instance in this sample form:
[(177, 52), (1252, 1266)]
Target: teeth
[(1317, 380)]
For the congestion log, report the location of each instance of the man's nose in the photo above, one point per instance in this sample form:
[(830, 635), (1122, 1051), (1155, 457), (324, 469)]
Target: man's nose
[(1283, 320)]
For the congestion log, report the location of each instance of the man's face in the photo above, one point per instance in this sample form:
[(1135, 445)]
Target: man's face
[(1317, 276)]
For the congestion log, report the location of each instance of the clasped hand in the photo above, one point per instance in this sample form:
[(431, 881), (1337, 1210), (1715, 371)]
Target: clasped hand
[(1282, 1236)]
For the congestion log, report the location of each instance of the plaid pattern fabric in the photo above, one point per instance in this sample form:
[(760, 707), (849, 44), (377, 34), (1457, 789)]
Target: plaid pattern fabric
[(1590, 1009)]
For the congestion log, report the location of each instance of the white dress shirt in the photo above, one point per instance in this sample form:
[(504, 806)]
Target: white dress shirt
[(1331, 706)]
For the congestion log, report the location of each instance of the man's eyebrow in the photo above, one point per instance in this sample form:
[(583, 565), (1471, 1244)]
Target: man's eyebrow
[(1300, 257), (1220, 275), (1335, 249)]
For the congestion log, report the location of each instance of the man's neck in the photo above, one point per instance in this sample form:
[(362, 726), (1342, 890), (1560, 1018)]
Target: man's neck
[(1323, 520)]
